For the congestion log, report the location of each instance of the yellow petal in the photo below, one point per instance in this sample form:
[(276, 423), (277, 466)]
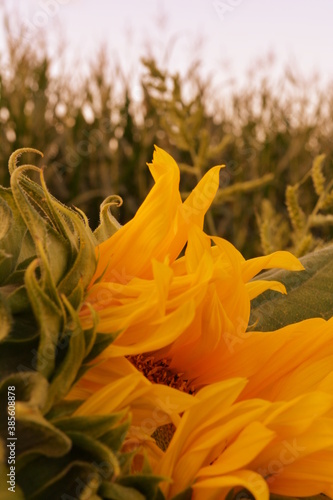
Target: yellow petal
[(281, 259), (255, 288), (248, 444), (164, 334), (307, 476), (129, 251), (198, 246), (199, 201), (211, 401), (295, 416), (111, 397), (217, 488), (309, 376)]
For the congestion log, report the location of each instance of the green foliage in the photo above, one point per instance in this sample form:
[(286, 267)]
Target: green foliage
[(309, 293), (303, 232)]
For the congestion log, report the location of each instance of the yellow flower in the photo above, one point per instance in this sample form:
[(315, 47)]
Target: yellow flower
[(183, 309), (254, 410), (283, 447), (221, 443)]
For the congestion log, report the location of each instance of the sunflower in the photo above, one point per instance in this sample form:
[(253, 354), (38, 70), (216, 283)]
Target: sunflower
[(246, 411), (181, 310)]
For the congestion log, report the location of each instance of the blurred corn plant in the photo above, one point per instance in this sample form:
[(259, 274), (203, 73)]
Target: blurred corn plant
[(97, 138), (44, 350), (300, 232)]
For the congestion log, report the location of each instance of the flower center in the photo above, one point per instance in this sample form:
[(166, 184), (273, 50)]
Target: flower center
[(159, 372)]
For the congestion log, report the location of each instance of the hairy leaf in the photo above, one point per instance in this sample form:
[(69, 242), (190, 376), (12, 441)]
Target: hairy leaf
[(309, 293)]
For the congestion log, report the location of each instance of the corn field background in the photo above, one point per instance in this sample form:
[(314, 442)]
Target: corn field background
[(275, 138)]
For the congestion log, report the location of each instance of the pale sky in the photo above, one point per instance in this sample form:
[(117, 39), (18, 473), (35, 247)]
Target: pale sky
[(234, 32)]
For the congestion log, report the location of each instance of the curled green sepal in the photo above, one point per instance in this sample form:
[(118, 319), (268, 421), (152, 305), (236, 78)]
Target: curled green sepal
[(108, 223), (31, 201)]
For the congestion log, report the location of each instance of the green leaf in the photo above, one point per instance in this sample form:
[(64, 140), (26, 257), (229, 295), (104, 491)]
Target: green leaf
[(309, 295)]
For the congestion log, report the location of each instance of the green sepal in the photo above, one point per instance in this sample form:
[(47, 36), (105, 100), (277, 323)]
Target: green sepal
[(40, 227), (60, 230), (94, 426), (63, 409), (76, 295), (103, 340), (114, 491), (83, 267), (108, 223), (90, 334), (55, 475), (96, 451), (79, 482), (114, 438), (37, 435)]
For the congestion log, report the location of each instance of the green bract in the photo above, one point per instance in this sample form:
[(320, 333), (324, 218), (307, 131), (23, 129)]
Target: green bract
[(47, 259)]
